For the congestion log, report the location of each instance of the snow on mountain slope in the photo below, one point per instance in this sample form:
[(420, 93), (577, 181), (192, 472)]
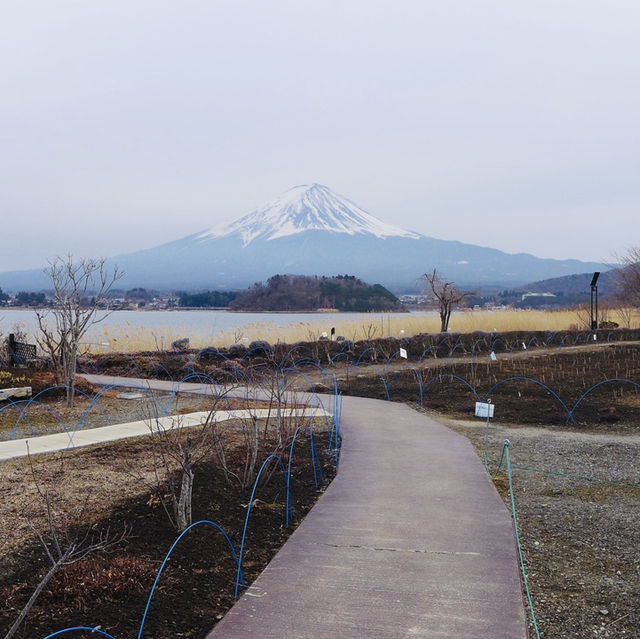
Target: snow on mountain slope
[(306, 208)]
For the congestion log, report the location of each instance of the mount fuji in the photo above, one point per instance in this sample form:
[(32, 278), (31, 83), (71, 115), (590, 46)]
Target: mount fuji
[(311, 230)]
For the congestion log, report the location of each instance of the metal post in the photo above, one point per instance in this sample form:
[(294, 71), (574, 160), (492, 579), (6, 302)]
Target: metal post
[(594, 301)]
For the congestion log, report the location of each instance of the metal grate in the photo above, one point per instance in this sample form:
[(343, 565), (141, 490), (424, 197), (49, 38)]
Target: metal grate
[(21, 352)]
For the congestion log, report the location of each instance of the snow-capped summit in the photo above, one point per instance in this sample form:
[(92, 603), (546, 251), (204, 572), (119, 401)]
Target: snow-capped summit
[(312, 231), (307, 207)]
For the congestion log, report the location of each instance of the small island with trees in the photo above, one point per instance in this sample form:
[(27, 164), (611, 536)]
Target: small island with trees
[(312, 293)]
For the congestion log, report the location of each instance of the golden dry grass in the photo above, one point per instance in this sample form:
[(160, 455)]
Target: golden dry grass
[(128, 338)]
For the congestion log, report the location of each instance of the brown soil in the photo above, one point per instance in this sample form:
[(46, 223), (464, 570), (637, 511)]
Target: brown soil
[(569, 373), (113, 487)]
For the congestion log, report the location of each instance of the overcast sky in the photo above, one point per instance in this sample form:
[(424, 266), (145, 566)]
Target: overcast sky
[(127, 124)]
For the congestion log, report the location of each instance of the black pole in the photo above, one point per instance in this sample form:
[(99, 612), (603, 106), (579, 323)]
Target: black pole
[(594, 301), (12, 348)]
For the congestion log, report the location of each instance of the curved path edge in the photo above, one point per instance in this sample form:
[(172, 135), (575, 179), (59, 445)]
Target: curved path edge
[(411, 539)]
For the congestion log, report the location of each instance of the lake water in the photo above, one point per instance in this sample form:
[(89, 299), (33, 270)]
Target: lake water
[(209, 324)]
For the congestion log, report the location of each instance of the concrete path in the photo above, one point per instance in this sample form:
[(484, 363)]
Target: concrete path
[(411, 539), (91, 436)]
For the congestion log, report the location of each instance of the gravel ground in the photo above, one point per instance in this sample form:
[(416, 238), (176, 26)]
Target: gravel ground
[(580, 538)]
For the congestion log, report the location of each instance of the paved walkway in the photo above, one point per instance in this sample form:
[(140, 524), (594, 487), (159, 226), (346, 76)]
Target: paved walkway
[(13, 448), (410, 540)]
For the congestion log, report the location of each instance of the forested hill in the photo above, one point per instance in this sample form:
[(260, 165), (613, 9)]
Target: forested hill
[(309, 293)]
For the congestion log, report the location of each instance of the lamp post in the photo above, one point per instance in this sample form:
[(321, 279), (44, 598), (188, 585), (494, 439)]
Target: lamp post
[(594, 301)]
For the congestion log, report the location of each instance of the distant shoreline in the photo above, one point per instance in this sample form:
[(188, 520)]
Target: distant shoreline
[(202, 308)]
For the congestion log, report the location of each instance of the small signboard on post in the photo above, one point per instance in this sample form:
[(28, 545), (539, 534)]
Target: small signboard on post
[(484, 409), (403, 353)]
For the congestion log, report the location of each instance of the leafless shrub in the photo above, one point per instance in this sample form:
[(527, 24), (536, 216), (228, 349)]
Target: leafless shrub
[(67, 537), (627, 278)]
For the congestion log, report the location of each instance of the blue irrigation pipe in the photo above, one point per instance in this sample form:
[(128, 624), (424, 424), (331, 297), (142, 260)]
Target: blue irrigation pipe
[(297, 347), (23, 415), (475, 344), (208, 380), (293, 371), (211, 349), (78, 628), (331, 427), (34, 399), (320, 404), (338, 421), (166, 559), (388, 362), (289, 510), (58, 387), (535, 381), (246, 521), (366, 350), (335, 428), (315, 456), (382, 379), (420, 388), (92, 403), (20, 415), (602, 383), (450, 376), (99, 395)]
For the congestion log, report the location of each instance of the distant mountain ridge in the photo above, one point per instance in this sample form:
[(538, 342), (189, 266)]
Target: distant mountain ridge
[(312, 230), (577, 284)]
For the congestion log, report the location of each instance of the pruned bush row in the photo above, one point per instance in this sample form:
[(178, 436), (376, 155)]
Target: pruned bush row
[(240, 362)]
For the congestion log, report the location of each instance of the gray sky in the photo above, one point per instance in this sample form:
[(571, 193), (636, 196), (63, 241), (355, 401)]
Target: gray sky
[(127, 124)]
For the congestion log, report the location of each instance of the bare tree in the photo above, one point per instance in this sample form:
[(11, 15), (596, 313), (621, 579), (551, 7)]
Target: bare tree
[(79, 289), (627, 278), (447, 295), (177, 447)]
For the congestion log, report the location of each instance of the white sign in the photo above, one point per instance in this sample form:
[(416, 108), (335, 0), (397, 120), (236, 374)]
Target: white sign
[(493, 356), (484, 410), (403, 353), (524, 346), (595, 337)]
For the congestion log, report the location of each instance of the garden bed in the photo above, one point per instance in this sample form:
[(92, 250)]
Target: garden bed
[(115, 488), (526, 389)]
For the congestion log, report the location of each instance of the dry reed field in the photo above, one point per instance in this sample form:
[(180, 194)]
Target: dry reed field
[(129, 339)]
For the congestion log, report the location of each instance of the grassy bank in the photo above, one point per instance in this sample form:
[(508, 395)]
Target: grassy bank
[(128, 338)]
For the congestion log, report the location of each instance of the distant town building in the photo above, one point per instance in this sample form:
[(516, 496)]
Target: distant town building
[(526, 296)]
